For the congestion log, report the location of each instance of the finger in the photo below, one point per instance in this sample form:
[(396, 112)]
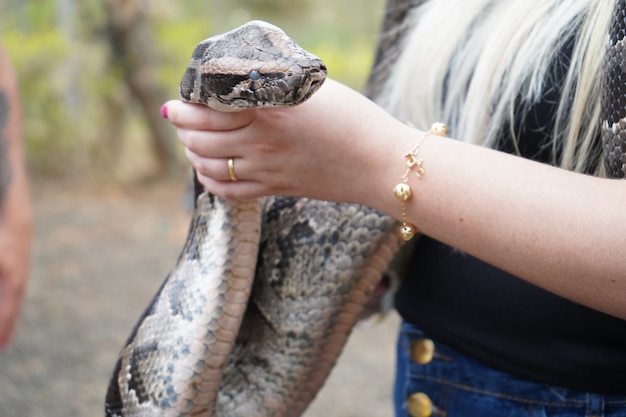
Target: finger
[(209, 144), (200, 117), (218, 168), (233, 190)]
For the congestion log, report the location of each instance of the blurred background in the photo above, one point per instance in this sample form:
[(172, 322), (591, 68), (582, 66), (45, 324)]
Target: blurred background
[(94, 73), (110, 185)]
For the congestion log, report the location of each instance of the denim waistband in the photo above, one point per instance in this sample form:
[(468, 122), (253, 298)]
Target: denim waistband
[(450, 370)]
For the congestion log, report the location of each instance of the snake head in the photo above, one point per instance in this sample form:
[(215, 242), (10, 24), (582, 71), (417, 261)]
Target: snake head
[(255, 65)]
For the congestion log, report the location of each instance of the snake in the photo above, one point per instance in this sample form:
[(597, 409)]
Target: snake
[(265, 292), (253, 316)]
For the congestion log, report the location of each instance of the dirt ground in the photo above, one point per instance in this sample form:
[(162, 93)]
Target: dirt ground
[(99, 255)]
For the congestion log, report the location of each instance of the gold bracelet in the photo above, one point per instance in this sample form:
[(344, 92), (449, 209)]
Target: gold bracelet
[(402, 190)]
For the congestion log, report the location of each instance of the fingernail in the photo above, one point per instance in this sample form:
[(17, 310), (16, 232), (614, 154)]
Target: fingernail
[(164, 111)]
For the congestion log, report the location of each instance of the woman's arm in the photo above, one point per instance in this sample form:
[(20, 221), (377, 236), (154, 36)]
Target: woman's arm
[(560, 230), (15, 206)]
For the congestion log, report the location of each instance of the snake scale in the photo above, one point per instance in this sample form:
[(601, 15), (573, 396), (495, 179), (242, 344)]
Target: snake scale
[(264, 294)]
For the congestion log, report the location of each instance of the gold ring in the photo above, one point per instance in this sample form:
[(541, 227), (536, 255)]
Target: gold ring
[(231, 169)]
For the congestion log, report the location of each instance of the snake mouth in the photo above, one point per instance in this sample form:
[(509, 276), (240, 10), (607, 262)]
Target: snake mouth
[(315, 85), (317, 76), (307, 90)]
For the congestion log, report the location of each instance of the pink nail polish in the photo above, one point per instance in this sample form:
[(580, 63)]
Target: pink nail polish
[(164, 111)]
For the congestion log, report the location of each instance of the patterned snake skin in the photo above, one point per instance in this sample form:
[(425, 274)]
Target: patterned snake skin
[(614, 105), (264, 294)]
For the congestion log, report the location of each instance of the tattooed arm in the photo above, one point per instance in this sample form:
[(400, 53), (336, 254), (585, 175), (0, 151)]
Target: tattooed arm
[(15, 206)]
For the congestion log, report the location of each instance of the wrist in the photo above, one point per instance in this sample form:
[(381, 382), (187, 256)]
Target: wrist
[(387, 165)]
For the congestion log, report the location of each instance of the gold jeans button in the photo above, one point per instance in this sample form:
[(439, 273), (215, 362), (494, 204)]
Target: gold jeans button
[(422, 351), (419, 405)]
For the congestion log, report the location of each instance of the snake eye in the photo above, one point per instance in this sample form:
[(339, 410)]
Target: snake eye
[(254, 75)]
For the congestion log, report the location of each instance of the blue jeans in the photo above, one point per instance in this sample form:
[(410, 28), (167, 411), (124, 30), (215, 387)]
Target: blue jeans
[(461, 387)]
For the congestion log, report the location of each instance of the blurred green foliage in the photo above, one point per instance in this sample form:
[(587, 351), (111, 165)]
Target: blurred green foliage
[(79, 116)]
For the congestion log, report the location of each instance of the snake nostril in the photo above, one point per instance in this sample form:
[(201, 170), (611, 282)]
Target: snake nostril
[(320, 68)]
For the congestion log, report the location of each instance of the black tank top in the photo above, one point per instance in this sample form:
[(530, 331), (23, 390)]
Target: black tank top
[(506, 322)]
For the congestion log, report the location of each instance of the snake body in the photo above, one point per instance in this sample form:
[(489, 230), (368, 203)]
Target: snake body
[(614, 97), (264, 294)]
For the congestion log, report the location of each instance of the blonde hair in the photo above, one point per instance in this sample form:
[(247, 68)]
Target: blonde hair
[(478, 65)]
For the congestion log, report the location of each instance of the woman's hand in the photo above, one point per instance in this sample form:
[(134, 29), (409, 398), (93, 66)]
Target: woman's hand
[(326, 148)]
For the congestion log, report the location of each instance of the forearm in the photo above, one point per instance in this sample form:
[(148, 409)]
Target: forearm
[(14, 194), (559, 230), (12, 163), (16, 211)]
